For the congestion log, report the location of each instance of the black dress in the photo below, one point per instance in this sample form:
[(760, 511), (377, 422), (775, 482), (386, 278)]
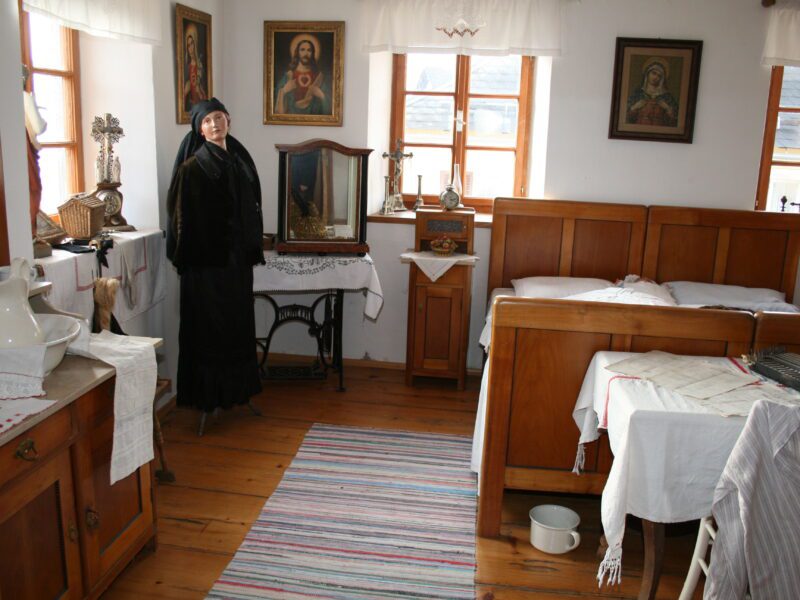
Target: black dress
[(214, 240)]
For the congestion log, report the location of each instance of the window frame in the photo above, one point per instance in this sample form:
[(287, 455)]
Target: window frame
[(770, 129), (72, 104), (459, 147)]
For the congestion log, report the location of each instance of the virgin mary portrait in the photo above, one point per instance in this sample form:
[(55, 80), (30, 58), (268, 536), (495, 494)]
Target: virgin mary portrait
[(652, 103), (195, 82)]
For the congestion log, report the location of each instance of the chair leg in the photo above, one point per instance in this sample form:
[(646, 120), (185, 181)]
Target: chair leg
[(164, 475), (698, 559), (202, 426)]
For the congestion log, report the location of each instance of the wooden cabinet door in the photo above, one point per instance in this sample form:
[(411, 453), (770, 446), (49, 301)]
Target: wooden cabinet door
[(437, 328), (38, 535), (115, 520)]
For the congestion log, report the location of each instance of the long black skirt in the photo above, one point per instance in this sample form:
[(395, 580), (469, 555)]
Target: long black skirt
[(217, 362)]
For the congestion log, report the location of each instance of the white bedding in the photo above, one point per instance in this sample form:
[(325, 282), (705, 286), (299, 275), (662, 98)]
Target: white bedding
[(617, 295), (629, 294)]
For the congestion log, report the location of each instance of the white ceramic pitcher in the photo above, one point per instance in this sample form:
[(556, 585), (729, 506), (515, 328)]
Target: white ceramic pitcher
[(18, 326)]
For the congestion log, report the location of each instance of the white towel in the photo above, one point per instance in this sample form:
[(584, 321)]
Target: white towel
[(134, 359), (434, 265), (22, 372)]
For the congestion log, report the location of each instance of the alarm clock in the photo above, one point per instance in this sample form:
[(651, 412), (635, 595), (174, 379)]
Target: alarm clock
[(450, 199)]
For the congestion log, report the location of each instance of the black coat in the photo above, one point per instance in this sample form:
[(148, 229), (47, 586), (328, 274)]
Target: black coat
[(214, 207)]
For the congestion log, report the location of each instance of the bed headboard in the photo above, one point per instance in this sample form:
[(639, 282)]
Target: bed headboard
[(564, 238), (733, 247)]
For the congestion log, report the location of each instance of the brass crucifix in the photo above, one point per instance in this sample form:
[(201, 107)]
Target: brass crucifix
[(397, 157)]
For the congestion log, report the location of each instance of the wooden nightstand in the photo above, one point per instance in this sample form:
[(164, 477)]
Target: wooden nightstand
[(438, 311)]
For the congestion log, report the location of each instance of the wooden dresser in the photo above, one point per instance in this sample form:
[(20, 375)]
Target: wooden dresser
[(65, 532), (438, 311)]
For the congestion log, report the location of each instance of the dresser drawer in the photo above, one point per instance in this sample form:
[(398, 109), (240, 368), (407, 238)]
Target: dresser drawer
[(32, 448)]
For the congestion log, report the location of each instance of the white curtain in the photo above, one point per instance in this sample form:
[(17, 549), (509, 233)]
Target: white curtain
[(783, 34), (498, 27), (134, 20)]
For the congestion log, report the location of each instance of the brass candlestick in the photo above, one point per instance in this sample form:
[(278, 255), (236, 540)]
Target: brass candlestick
[(419, 201)]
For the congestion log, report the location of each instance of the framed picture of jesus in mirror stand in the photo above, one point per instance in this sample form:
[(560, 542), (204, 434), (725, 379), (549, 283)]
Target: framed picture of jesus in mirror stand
[(303, 72)]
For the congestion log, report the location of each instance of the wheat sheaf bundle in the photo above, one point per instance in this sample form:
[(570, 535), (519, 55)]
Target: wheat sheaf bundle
[(105, 293)]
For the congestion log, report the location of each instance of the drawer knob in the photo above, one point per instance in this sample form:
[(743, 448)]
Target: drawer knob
[(27, 450), (92, 518)]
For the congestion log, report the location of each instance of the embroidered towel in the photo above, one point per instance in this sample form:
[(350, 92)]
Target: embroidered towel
[(134, 359), (433, 265), (13, 412), (22, 372)]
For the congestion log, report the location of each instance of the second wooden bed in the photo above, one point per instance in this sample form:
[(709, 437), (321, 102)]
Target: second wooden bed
[(540, 349)]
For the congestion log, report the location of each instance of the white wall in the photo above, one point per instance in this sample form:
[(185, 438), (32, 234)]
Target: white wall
[(720, 168), (12, 134), (128, 96)]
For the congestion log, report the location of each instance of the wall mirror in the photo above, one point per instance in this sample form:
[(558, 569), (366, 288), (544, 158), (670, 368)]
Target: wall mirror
[(322, 198)]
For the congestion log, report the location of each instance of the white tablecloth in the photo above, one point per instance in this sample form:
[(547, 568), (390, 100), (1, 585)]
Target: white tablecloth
[(309, 273), (669, 452), (137, 260), (435, 265)]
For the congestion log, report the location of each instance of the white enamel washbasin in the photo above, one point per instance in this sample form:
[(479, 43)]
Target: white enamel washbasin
[(59, 331)]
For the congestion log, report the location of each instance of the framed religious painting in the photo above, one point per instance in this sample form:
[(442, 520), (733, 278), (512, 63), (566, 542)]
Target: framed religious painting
[(303, 72), (655, 89), (193, 59)]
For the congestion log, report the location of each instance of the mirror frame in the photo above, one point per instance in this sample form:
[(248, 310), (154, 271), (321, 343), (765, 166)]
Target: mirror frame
[(356, 246)]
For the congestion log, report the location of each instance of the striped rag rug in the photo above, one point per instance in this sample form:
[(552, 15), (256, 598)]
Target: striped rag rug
[(363, 513)]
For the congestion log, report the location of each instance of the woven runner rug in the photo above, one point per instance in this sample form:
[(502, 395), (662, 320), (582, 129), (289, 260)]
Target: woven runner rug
[(363, 513)]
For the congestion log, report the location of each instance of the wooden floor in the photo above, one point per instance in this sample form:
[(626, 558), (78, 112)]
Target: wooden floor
[(224, 478)]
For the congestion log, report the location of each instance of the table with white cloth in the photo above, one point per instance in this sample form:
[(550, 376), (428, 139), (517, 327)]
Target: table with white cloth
[(329, 276), (669, 453), (137, 260)]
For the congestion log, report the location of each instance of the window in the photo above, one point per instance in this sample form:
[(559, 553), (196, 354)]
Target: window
[(780, 157), (51, 54), (471, 111)]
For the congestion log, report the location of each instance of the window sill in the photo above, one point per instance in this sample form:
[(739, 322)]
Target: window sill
[(408, 217)]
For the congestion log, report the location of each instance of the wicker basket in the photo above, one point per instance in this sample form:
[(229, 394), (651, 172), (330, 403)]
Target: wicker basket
[(82, 216)]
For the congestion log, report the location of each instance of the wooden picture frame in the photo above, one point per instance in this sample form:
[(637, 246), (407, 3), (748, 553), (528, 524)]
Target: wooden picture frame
[(193, 60), (655, 89), (303, 72)]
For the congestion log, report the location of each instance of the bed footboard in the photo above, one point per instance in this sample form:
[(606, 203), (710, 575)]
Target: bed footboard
[(541, 350)]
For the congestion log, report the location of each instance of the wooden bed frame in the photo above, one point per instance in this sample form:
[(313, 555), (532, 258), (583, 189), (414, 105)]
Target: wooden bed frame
[(541, 348), (732, 247)]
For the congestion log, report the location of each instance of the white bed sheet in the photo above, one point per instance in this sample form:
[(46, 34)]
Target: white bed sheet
[(486, 333), (614, 294)]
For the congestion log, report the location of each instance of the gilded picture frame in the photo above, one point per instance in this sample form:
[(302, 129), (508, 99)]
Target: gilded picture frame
[(193, 59), (655, 89), (303, 72)]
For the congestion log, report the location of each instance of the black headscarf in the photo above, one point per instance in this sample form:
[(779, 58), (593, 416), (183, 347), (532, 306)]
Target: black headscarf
[(194, 140)]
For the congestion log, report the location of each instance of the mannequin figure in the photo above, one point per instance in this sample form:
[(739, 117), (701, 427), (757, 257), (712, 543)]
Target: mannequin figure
[(35, 125)]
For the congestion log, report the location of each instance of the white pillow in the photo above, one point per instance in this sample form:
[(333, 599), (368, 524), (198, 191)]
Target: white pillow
[(651, 288), (556, 287), (619, 295), (714, 294)]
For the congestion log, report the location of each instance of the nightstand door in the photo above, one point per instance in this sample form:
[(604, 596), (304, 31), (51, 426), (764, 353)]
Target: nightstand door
[(116, 520), (437, 325)]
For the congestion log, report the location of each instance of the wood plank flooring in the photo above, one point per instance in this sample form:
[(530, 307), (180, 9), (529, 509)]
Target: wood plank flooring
[(224, 478)]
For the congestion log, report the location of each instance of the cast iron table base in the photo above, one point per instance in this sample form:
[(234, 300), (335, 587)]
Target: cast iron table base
[(328, 335)]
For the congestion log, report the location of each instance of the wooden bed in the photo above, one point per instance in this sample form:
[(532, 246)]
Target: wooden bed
[(540, 349)]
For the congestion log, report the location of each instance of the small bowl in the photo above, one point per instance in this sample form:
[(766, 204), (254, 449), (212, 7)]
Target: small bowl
[(59, 331), (443, 246)]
